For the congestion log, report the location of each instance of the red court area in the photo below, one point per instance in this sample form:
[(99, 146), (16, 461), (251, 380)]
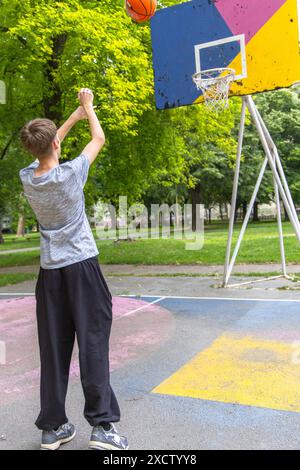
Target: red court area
[(139, 328)]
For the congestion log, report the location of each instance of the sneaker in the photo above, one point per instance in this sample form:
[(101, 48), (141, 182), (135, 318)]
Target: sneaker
[(51, 440), (107, 440)]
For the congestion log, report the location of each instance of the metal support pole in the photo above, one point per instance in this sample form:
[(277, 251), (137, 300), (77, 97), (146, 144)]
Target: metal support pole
[(273, 149), (279, 222), (280, 169), (245, 222), (280, 185), (234, 191), (252, 109), (287, 189)]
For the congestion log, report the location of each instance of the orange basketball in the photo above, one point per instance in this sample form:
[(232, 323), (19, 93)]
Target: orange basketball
[(141, 10)]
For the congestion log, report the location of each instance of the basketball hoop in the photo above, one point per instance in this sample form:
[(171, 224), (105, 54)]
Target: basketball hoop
[(215, 85)]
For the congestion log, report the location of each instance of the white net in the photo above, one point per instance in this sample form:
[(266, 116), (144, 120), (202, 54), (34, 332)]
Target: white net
[(215, 85)]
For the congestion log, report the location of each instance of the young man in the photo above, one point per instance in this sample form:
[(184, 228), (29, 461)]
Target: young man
[(72, 295)]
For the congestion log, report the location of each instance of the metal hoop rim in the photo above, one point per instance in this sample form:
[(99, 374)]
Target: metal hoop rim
[(230, 72)]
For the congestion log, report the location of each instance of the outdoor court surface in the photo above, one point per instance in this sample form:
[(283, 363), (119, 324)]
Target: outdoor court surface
[(189, 373)]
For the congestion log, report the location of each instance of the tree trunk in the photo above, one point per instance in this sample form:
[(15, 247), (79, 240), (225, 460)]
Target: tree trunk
[(177, 221), (195, 199), (286, 215), (245, 207), (52, 93), (221, 211), (226, 211), (1, 236), (113, 219), (236, 213), (21, 226), (255, 212)]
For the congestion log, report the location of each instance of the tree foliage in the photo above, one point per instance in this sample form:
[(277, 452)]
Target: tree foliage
[(50, 49)]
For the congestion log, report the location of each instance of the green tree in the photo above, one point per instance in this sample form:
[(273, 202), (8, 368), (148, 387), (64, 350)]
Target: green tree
[(51, 49)]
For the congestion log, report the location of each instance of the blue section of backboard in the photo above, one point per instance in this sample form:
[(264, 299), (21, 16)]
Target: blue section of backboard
[(175, 31)]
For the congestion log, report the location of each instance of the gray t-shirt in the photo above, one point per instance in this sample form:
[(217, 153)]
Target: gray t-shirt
[(57, 200)]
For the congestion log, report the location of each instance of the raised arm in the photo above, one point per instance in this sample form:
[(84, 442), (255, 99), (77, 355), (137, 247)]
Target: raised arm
[(78, 114), (93, 148)]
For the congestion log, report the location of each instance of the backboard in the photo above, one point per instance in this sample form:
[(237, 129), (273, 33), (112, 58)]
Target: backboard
[(257, 38)]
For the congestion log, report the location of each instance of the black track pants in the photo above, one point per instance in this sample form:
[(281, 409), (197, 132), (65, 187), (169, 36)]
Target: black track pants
[(74, 300)]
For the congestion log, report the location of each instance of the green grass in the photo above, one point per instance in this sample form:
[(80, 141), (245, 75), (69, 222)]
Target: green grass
[(121, 232), (11, 242), (20, 259), (9, 279), (260, 245)]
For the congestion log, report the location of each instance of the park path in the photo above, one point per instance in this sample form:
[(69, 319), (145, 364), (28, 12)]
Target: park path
[(169, 270), (19, 250), (37, 248)]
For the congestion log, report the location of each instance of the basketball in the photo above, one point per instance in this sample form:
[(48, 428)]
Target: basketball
[(141, 10)]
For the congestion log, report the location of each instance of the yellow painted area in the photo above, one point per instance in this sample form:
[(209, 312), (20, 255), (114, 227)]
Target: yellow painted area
[(240, 370), (273, 58)]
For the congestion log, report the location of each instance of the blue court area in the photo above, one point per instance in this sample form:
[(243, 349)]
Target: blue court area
[(189, 373)]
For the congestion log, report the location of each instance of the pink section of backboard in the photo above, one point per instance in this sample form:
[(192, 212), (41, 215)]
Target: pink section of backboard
[(247, 16)]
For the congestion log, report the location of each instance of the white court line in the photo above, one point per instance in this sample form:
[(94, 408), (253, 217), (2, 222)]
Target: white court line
[(212, 298), (139, 308), (18, 294), (159, 298), (122, 316)]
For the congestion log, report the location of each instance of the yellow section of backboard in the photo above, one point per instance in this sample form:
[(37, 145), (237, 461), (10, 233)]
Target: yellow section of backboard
[(242, 370), (273, 59)]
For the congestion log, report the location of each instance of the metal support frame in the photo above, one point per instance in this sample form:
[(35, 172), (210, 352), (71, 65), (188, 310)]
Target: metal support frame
[(281, 191)]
